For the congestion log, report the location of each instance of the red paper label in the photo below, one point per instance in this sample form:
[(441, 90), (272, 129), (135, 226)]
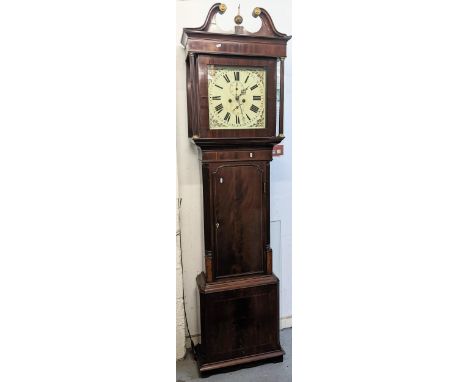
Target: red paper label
[(278, 150)]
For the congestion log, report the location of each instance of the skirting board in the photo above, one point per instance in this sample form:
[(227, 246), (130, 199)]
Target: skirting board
[(285, 322)]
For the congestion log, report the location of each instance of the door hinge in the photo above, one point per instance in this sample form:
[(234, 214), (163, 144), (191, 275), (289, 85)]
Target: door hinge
[(264, 187)]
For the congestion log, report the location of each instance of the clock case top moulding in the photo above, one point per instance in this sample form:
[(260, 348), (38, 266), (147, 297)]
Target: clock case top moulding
[(261, 48)]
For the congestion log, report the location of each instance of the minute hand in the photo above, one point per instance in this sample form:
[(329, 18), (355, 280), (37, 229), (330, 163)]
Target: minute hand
[(239, 106)]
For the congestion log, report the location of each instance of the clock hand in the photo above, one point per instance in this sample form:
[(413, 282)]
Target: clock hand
[(240, 107)]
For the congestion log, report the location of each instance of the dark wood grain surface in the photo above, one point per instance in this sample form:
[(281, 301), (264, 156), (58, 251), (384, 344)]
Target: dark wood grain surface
[(239, 322), (238, 212)]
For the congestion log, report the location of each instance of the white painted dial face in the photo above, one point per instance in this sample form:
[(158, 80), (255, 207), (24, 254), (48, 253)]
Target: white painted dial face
[(236, 97)]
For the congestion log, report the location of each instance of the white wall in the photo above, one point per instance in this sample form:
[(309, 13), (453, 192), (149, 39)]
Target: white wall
[(192, 13)]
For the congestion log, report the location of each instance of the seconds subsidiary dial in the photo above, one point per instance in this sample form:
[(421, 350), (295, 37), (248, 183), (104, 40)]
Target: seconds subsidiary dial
[(236, 97)]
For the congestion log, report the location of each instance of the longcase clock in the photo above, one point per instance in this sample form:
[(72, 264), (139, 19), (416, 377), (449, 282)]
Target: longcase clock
[(235, 116)]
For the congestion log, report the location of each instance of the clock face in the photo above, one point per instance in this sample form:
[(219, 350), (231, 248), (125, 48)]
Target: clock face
[(236, 97)]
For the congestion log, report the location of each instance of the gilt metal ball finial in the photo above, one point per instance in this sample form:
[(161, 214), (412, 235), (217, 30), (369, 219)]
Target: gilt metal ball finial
[(222, 8), (238, 19), (256, 12)]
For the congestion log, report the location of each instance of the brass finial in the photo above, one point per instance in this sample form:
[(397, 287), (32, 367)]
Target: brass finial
[(222, 8), (256, 12), (238, 19)]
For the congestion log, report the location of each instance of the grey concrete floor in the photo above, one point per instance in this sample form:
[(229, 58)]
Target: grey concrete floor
[(269, 372)]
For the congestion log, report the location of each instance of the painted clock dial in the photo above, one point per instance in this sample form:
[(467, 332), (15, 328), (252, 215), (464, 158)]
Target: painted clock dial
[(236, 97)]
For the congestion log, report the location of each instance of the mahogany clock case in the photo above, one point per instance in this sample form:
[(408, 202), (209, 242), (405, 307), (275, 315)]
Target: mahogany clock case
[(238, 292)]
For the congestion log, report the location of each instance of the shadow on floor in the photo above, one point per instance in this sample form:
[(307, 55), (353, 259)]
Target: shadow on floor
[(269, 372)]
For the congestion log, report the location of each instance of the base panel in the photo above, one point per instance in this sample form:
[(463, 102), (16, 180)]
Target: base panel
[(207, 369), (239, 323)]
